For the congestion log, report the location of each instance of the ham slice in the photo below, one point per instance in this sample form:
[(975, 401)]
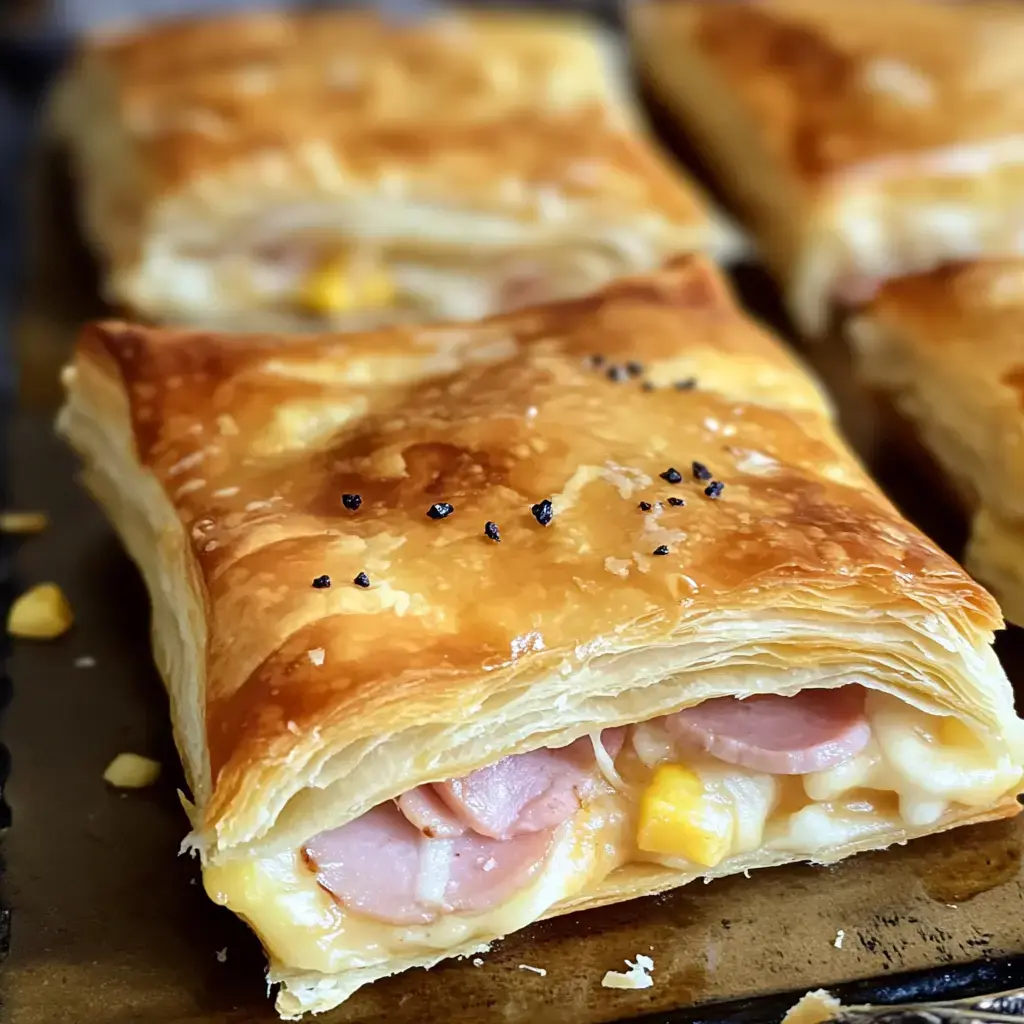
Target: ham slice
[(430, 814), (812, 731), (527, 792), (383, 867)]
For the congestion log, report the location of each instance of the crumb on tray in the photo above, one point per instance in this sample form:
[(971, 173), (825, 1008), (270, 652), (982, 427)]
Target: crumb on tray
[(41, 613), (638, 975), (131, 771)]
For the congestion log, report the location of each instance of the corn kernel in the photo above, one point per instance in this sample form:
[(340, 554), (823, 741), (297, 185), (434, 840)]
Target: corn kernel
[(22, 522), (336, 287), (679, 817), (41, 613), (131, 771)]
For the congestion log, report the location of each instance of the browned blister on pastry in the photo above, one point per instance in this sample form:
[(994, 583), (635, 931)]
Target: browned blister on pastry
[(338, 169), (863, 141), (485, 597)]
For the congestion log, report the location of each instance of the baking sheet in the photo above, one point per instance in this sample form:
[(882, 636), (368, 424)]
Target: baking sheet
[(110, 924)]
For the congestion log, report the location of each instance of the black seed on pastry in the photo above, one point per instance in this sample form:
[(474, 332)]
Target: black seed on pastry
[(661, 549), (676, 501), (543, 512), (616, 373), (322, 582), (633, 368), (671, 475), (714, 489), (491, 531), (685, 385), (645, 506), (362, 580), (701, 472), (351, 501), (440, 510)]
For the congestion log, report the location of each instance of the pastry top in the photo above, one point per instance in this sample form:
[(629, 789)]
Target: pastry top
[(519, 111), (833, 86), (589, 405)]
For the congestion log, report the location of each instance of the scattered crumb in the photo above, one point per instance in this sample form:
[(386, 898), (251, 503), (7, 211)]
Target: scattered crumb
[(638, 975), (316, 655), (536, 970), (222, 955), (192, 881), (477, 962), (42, 613), (23, 522), (131, 771), (815, 1007), (85, 661), (840, 935), (489, 865)]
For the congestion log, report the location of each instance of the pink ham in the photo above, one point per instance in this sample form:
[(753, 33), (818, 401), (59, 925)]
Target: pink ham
[(430, 814), (812, 731), (382, 867), (527, 792)]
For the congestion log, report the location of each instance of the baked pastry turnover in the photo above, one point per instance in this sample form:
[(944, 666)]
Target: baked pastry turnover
[(335, 169), (948, 347), (465, 626), (863, 141)]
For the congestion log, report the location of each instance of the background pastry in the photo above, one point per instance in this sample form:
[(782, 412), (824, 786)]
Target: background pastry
[(948, 347), (484, 596), (336, 168), (862, 141)]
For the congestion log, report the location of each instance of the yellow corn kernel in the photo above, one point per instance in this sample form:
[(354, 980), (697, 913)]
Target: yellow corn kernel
[(336, 287), (131, 771), (41, 613), (679, 817)]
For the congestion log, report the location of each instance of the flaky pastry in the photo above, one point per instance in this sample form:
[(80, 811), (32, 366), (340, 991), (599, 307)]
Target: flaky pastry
[(337, 169), (948, 347), (455, 619), (863, 141)]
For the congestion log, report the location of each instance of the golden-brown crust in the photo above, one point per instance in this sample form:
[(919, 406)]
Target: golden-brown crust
[(255, 439), (459, 108), (832, 86)]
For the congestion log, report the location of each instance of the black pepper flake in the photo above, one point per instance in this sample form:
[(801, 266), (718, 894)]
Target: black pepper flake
[(491, 531), (440, 510), (685, 385), (633, 368), (351, 501), (676, 501), (616, 373), (661, 549), (543, 512), (714, 489), (701, 472), (672, 476), (322, 582), (645, 506), (362, 580)]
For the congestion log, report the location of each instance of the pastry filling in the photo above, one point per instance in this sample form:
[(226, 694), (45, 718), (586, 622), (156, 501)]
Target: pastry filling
[(486, 853), (327, 283)]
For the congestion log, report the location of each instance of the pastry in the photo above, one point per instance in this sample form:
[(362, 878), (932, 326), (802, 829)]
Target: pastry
[(484, 597), (338, 169), (948, 348), (862, 141)]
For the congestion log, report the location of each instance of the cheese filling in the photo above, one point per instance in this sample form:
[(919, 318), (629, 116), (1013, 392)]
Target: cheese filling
[(652, 803)]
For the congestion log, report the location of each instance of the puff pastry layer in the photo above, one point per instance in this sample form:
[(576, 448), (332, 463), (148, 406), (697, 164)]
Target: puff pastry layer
[(284, 171), (948, 346), (862, 141), (617, 611)]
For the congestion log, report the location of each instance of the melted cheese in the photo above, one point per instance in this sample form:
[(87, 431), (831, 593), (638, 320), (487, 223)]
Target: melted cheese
[(339, 286)]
